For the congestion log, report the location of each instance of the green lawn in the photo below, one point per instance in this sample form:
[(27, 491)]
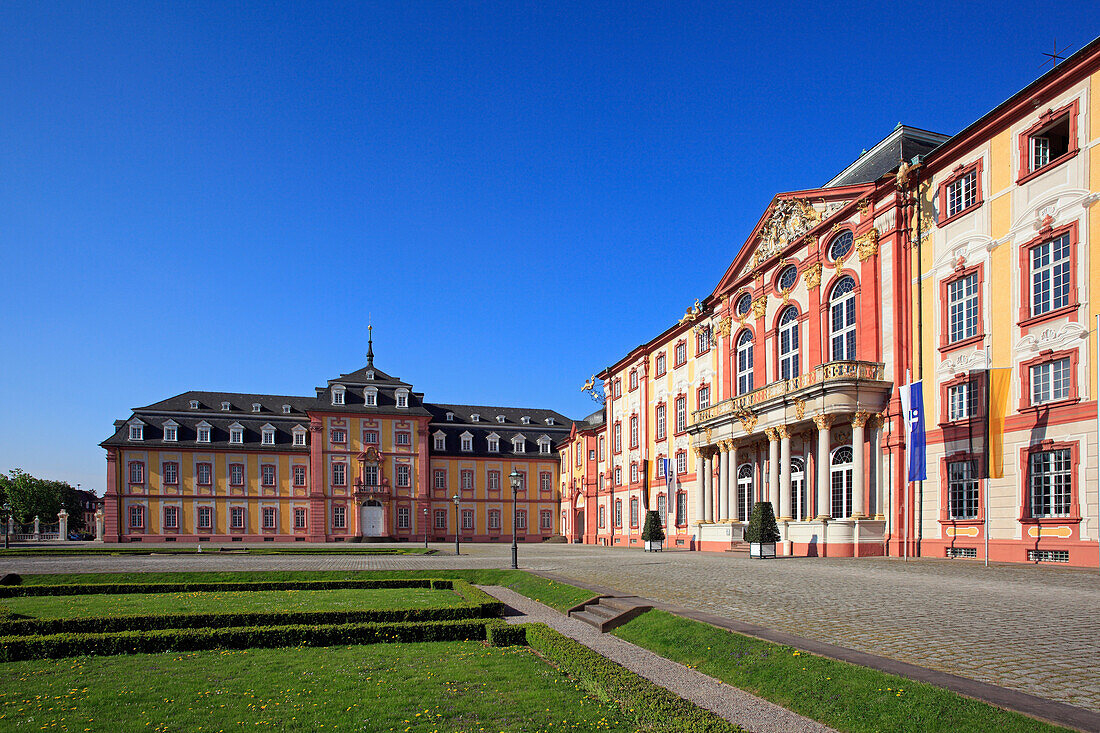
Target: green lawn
[(82, 606), (557, 595), (453, 686), (842, 695)]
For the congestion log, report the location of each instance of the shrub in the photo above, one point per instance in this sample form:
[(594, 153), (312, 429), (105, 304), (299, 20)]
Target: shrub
[(653, 531), (655, 708), (120, 588), (762, 526), (502, 634)]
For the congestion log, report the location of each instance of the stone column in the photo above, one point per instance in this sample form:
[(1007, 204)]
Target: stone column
[(63, 525), (859, 471), (784, 474), (731, 500), (98, 525), (723, 481), (709, 476), (824, 493), (773, 469), (700, 487)]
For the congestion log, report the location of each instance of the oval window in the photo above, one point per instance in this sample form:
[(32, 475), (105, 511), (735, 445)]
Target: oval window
[(841, 246), (787, 278)]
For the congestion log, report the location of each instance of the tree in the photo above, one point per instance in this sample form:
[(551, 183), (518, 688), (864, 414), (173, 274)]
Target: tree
[(653, 531), (762, 525), (32, 497)]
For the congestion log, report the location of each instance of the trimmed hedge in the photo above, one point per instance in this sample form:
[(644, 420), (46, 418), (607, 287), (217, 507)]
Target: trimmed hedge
[(214, 550), (478, 605), (15, 591), (502, 634), (57, 646), (654, 707)]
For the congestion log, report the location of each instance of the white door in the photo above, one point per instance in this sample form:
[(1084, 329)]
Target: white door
[(370, 517)]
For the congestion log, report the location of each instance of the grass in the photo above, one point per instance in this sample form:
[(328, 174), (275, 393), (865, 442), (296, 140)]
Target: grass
[(845, 696), (443, 686), (229, 601), (556, 595)]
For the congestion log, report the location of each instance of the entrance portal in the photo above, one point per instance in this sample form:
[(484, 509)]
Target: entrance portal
[(370, 518), (578, 526)]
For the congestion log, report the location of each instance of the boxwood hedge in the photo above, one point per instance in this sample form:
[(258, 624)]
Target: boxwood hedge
[(121, 588)]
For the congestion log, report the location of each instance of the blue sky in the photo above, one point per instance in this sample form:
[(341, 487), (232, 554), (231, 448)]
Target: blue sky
[(218, 195)]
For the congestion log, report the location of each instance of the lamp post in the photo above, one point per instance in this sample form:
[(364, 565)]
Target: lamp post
[(7, 520), (514, 477), (425, 528), (455, 498)]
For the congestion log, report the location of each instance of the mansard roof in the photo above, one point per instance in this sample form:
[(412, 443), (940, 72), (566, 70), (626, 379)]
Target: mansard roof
[(239, 403), (187, 433), (513, 416), (903, 143)]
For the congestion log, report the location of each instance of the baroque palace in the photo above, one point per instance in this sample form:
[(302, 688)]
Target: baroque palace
[(365, 457), (930, 257)]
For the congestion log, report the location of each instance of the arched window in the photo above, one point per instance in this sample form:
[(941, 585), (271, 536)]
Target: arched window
[(842, 482), (841, 245), (799, 505), (744, 492), (842, 318), (787, 278), (743, 305), (788, 344), (744, 363)]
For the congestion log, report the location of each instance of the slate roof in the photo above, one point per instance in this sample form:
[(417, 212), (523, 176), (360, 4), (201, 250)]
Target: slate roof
[(487, 425), (903, 143)]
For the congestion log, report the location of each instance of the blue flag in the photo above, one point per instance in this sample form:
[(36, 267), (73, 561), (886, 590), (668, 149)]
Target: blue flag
[(912, 409)]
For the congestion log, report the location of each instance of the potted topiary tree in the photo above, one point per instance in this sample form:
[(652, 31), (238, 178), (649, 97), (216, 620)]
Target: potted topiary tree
[(653, 534), (763, 532)]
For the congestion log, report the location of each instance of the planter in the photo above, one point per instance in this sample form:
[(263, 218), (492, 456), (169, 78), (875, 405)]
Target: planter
[(762, 550), (653, 546)]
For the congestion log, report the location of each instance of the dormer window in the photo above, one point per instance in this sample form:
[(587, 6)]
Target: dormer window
[(226, 406), (370, 397), (475, 417), (525, 420), (268, 434), (171, 431), (137, 430), (519, 444), (450, 417), (256, 407), (549, 421), (338, 394), (500, 418), (544, 444), (202, 432), (299, 435), (439, 440), (194, 404), (467, 442), (370, 374), (494, 443), (402, 397), (236, 433), (286, 409)]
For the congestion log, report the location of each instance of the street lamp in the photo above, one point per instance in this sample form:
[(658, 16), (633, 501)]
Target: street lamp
[(7, 519), (514, 477), (425, 528), (455, 498)]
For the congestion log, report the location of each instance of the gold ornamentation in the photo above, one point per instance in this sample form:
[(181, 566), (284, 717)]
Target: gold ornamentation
[(863, 206), (799, 407), (790, 219), (693, 312), (748, 420), (760, 306), (725, 325), (782, 432), (823, 421), (813, 276), (860, 419), (707, 431), (589, 384), (867, 244), (772, 433), (838, 264)]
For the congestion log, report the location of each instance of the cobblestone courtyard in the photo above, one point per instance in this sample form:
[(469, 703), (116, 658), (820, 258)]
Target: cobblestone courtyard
[(1033, 629)]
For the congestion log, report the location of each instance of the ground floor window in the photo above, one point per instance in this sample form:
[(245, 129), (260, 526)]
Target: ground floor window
[(339, 517), (441, 519), (521, 519), (236, 517), (269, 517), (633, 512), (744, 492), (206, 515), (467, 519), (618, 512), (402, 517), (494, 519), (602, 517), (171, 517), (662, 508), (1050, 482), (546, 520), (842, 482), (962, 489), (299, 518), (681, 508)]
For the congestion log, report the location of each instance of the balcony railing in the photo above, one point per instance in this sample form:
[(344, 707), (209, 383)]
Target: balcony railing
[(820, 374)]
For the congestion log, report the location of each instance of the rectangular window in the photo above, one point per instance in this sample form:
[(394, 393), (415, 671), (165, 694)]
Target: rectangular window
[(661, 365), (962, 193), (370, 436), (1050, 381), (267, 476), (681, 463), (633, 431), (1050, 275), (300, 438), (962, 489), (603, 517), (171, 517), (441, 519), (633, 512), (467, 519), (467, 444), (339, 517), (702, 341), (618, 476), (338, 396), (137, 472), (681, 414), (467, 480), (268, 437), (681, 353), (204, 472), (170, 434), (137, 432), (370, 398), (591, 455), (236, 474), (236, 518), (339, 474), (402, 399), (299, 518), (494, 445), (633, 473), (662, 507), (494, 519), (206, 517), (236, 435), (338, 435), (521, 519), (962, 308), (440, 442), (137, 517), (660, 467), (546, 520), (299, 476), (494, 481), (633, 379), (580, 456), (960, 401), (617, 438), (403, 474), (600, 481), (1050, 482), (1050, 143), (203, 435), (269, 517), (618, 512), (704, 397), (681, 508), (544, 481), (602, 451), (519, 445), (171, 473), (439, 479), (618, 388), (404, 438), (402, 517)]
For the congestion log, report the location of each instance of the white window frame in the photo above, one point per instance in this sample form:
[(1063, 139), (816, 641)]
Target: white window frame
[(962, 193), (962, 308), (789, 344), (1050, 483), (1051, 381), (960, 401), (842, 320), (206, 522), (494, 443), (236, 434), (137, 430), (370, 397), (439, 441), (744, 362), (171, 431), (299, 435), (202, 432), (268, 433), (467, 444), (544, 445), (266, 513), (1049, 263), (402, 396), (519, 444), (962, 489), (339, 396), (681, 413)]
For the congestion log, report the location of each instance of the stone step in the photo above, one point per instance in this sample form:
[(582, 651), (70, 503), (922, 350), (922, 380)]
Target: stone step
[(588, 618), (602, 611), (608, 612)]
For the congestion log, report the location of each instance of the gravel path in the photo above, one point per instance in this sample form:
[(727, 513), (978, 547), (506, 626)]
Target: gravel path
[(737, 706)]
